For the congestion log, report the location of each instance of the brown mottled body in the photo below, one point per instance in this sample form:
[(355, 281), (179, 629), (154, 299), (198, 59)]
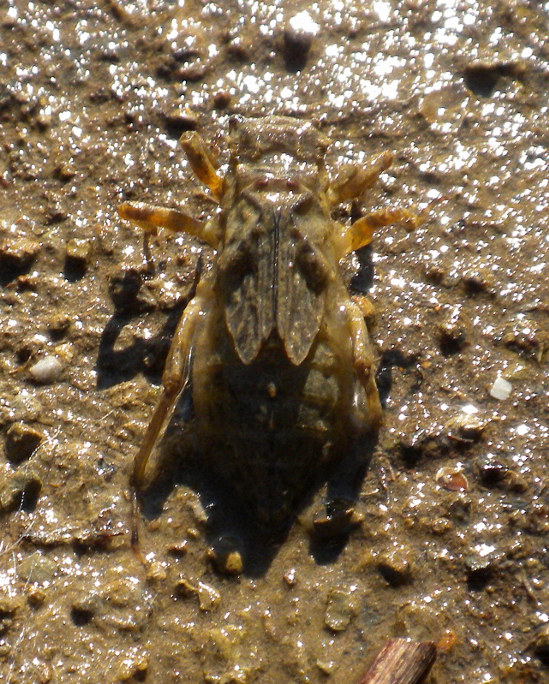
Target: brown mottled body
[(282, 375)]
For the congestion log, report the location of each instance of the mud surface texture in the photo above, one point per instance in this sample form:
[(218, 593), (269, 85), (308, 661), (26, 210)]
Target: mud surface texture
[(453, 540)]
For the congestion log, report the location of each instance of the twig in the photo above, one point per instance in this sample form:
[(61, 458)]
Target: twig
[(401, 662)]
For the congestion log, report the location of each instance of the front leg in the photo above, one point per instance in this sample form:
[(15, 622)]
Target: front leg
[(151, 217)]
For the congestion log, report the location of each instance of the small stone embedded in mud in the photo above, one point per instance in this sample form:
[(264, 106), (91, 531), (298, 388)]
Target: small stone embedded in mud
[(65, 171), (481, 564), (395, 566), (290, 577), (491, 470), (420, 439), (452, 478), (78, 251), (156, 572), (21, 441), (8, 608), (515, 482), (18, 253), (501, 389), (59, 324), (181, 119), (226, 557), (121, 593), (342, 606), (47, 370), (466, 425), (208, 596), (453, 331), (55, 214), (184, 588), (36, 596), (20, 491), (133, 667), (222, 99), (178, 548), (339, 520), (298, 37), (327, 667), (37, 568), (540, 645), (83, 609)]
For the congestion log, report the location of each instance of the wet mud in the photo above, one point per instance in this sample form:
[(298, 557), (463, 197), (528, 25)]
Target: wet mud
[(452, 513)]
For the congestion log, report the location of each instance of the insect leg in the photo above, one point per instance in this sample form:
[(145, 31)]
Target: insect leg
[(354, 179), (175, 377), (360, 233), (362, 359), (149, 218), (202, 162)]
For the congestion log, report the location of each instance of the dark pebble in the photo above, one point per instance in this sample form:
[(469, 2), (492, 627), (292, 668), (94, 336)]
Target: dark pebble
[(21, 442)]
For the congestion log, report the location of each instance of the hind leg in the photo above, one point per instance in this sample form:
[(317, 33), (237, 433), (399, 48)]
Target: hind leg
[(174, 379)]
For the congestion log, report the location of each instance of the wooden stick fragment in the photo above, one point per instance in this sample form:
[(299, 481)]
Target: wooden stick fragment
[(401, 661)]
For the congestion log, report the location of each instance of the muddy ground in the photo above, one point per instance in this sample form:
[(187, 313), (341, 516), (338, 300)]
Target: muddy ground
[(453, 542)]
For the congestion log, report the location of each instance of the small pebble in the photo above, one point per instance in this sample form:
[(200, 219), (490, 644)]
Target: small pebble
[(8, 607), (64, 171), (133, 668), (184, 588), (337, 522), (178, 548), (467, 425), (540, 645), (222, 99), (298, 38), (78, 251), (327, 667), (182, 119), (21, 490), (479, 567), (18, 253), (290, 577), (21, 442), (226, 556), (208, 597), (36, 596), (341, 607), (452, 479), (156, 572), (501, 389), (59, 324), (395, 566), (47, 370), (453, 331), (491, 471)]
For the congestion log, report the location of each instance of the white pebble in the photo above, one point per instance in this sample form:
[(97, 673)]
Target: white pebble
[(46, 370), (501, 389)]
